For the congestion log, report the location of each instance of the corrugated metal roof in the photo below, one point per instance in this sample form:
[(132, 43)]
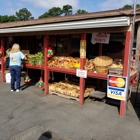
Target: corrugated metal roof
[(93, 15)]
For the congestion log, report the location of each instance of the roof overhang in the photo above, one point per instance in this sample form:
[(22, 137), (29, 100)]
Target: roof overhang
[(83, 24)]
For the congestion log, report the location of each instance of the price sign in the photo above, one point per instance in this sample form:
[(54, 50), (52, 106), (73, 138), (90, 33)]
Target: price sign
[(81, 73), (117, 87)]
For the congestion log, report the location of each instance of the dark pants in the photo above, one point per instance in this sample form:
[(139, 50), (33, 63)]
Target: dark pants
[(15, 75)]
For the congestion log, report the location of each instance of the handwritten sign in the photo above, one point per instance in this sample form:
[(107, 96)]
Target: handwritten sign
[(116, 88), (83, 48), (100, 38), (81, 73)]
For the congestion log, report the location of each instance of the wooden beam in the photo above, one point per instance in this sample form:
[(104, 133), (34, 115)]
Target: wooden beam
[(82, 64), (2, 60), (137, 53), (46, 72), (126, 67)]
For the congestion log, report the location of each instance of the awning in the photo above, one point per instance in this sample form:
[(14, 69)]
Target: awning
[(83, 24)]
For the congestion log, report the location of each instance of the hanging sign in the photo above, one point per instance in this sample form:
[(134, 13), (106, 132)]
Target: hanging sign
[(100, 38), (81, 73), (83, 48), (116, 88)]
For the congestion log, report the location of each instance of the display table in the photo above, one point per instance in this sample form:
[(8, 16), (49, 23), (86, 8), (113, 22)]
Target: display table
[(27, 65)]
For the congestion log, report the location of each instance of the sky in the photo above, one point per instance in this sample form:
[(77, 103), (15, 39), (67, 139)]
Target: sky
[(39, 7)]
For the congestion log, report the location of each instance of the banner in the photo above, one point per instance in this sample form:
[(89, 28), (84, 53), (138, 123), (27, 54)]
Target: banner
[(100, 38), (116, 87)]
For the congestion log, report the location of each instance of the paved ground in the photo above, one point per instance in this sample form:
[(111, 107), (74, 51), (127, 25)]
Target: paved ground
[(29, 115)]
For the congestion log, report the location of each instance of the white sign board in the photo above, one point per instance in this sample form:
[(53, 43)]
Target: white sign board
[(81, 73), (100, 38), (116, 88)]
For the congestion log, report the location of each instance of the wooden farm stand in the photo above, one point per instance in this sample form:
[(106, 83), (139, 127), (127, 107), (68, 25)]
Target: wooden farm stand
[(116, 21)]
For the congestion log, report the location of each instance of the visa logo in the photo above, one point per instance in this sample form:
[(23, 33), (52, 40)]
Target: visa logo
[(116, 92)]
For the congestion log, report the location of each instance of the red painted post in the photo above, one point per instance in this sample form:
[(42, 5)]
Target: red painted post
[(82, 63), (125, 69), (46, 75), (2, 60)]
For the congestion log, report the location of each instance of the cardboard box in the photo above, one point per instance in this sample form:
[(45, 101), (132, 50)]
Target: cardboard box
[(25, 51)]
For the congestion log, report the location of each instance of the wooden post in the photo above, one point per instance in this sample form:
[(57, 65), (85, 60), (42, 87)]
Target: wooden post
[(126, 66), (46, 72), (2, 60), (82, 63), (137, 53)]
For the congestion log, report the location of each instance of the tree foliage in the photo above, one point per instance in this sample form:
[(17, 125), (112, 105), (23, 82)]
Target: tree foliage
[(12, 18), (79, 11), (24, 14), (130, 6), (55, 11), (126, 6), (67, 10), (4, 19)]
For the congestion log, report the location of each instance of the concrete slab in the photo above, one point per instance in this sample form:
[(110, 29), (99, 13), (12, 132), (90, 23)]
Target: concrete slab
[(30, 115)]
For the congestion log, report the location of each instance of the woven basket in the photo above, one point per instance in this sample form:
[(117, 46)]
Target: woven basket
[(101, 69), (101, 64)]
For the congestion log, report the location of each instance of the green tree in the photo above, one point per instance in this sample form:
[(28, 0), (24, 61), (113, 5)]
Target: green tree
[(129, 6), (12, 18), (54, 12), (126, 6), (80, 11), (45, 15), (67, 10), (24, 14), (4, 18)]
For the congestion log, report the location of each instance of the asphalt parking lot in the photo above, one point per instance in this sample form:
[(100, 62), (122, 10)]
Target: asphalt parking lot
[(30, 115)]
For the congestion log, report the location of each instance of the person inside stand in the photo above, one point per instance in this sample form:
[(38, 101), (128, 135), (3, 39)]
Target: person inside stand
[(9, 45), (15, 56), (6, 58), (40, 47)]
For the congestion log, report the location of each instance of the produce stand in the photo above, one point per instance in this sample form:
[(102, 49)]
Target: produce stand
[(125, 28)]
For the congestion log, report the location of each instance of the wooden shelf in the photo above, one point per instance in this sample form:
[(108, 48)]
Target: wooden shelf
[(68, 71), (97, 75), (73, 71), (33, 66)]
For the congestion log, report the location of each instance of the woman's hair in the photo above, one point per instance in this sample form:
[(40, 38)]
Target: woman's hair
[(15, 48)]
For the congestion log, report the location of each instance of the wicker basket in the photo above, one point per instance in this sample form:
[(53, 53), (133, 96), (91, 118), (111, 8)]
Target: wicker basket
[(101, 64), (101, 69)]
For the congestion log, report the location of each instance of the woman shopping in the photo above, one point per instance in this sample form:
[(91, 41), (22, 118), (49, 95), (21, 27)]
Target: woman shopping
[(16, 57)]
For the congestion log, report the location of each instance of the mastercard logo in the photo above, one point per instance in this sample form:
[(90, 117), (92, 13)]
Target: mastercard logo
[(119, 82)]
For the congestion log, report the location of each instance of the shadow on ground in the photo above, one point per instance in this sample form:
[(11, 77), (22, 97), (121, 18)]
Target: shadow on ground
[(32, 82), (135, 101), (46, 136)]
